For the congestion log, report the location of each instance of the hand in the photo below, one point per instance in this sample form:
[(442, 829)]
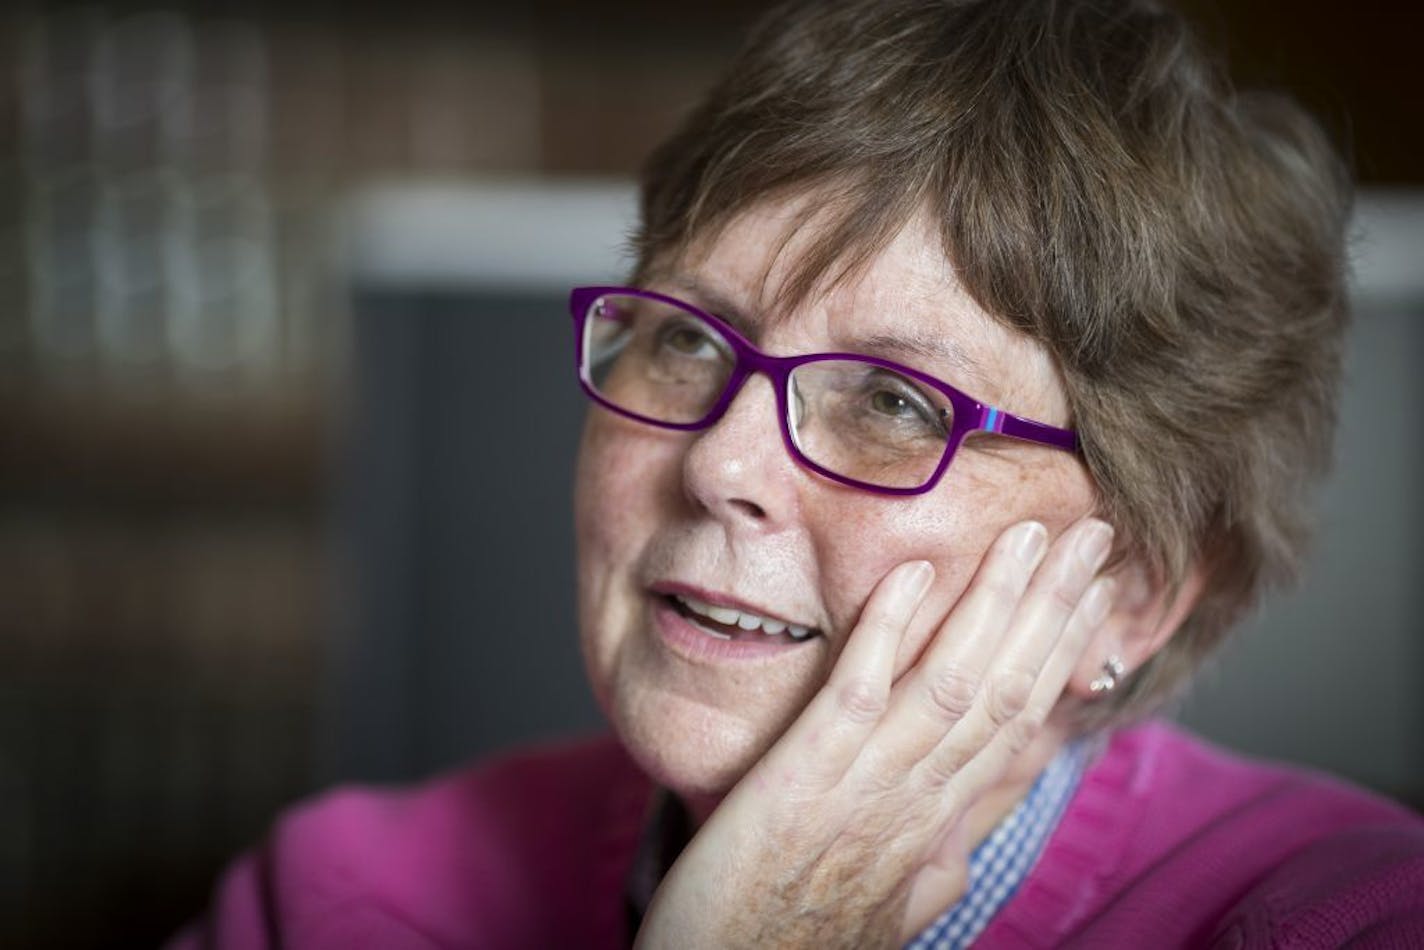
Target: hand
[(849, 831)]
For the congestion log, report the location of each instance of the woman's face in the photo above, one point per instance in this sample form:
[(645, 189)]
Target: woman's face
[(727, 517)]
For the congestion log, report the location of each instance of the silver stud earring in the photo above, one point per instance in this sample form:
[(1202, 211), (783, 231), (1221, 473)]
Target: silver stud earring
[(1113, 670)]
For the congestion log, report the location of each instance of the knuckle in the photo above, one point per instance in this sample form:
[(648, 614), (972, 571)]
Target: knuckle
[(883, 780), (1035, 714), (1065, 596), (1019, 732), (1001, 587), (952, 692), (944, 765), (1007, 695), (861, 700), (880, 624)]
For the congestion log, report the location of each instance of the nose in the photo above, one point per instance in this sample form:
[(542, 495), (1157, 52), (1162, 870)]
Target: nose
[(738, 470)]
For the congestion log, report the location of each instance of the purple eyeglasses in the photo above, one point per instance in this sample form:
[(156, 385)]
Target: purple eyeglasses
[(858, 420)]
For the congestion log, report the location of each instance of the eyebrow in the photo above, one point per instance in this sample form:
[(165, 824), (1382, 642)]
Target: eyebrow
[(716, 303), (909, 348)]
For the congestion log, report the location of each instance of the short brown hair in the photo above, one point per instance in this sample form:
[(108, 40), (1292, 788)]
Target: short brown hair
[(1177, 245)]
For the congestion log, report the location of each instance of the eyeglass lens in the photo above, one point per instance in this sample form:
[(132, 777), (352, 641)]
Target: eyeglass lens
[(856, 419)]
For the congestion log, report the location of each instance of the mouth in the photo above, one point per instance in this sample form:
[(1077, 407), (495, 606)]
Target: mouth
[(738, 625)]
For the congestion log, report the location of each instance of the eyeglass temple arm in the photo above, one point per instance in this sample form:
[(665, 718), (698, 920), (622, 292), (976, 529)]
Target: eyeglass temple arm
[(994, 419)]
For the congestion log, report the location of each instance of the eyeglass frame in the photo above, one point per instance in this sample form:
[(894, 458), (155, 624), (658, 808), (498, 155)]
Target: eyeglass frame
[(749, 360)]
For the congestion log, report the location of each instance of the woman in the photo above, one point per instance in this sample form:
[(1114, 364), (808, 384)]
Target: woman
[(976, 363)]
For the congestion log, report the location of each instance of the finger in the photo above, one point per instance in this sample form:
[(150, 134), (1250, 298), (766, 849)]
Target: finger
[(946, 863), (836, 722), (943, 685), (986, 769), (1086, 621), (1063, 605)]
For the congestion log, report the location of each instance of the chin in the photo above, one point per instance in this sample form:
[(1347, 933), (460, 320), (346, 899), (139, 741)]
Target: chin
[(690, 749)]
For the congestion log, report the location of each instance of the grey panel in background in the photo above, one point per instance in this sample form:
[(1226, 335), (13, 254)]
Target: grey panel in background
[(456, 515), (1332, 674)]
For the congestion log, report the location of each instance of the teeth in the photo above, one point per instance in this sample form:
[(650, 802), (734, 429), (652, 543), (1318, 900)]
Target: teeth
[(723, 615), (746, 621)]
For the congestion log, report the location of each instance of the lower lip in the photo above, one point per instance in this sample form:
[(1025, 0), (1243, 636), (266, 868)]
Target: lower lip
[(687, 641)]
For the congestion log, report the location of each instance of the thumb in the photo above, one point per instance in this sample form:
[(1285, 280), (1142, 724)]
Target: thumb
[(939, 884)]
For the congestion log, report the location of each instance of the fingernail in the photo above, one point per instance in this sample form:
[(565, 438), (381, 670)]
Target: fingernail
[(915, 579), (1094, 543), (1027, 542), (1098, 601)]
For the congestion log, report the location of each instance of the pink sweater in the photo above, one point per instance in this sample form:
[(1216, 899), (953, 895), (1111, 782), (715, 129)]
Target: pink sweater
[(1168, 842)]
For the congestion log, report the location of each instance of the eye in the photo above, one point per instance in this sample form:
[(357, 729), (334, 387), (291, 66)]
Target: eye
[(685, 340), (892, 404), (900, 400), (689, 340)]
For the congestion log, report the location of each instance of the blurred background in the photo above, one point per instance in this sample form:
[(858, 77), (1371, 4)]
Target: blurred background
[(286, 412)]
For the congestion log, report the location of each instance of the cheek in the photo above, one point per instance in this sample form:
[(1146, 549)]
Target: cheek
[(952, 527), (620, 482), (620, 485)]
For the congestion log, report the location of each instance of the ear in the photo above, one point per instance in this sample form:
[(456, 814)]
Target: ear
[(1144, 616)]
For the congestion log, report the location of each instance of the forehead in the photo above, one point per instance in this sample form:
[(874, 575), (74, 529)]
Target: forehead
[(903, 302)]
